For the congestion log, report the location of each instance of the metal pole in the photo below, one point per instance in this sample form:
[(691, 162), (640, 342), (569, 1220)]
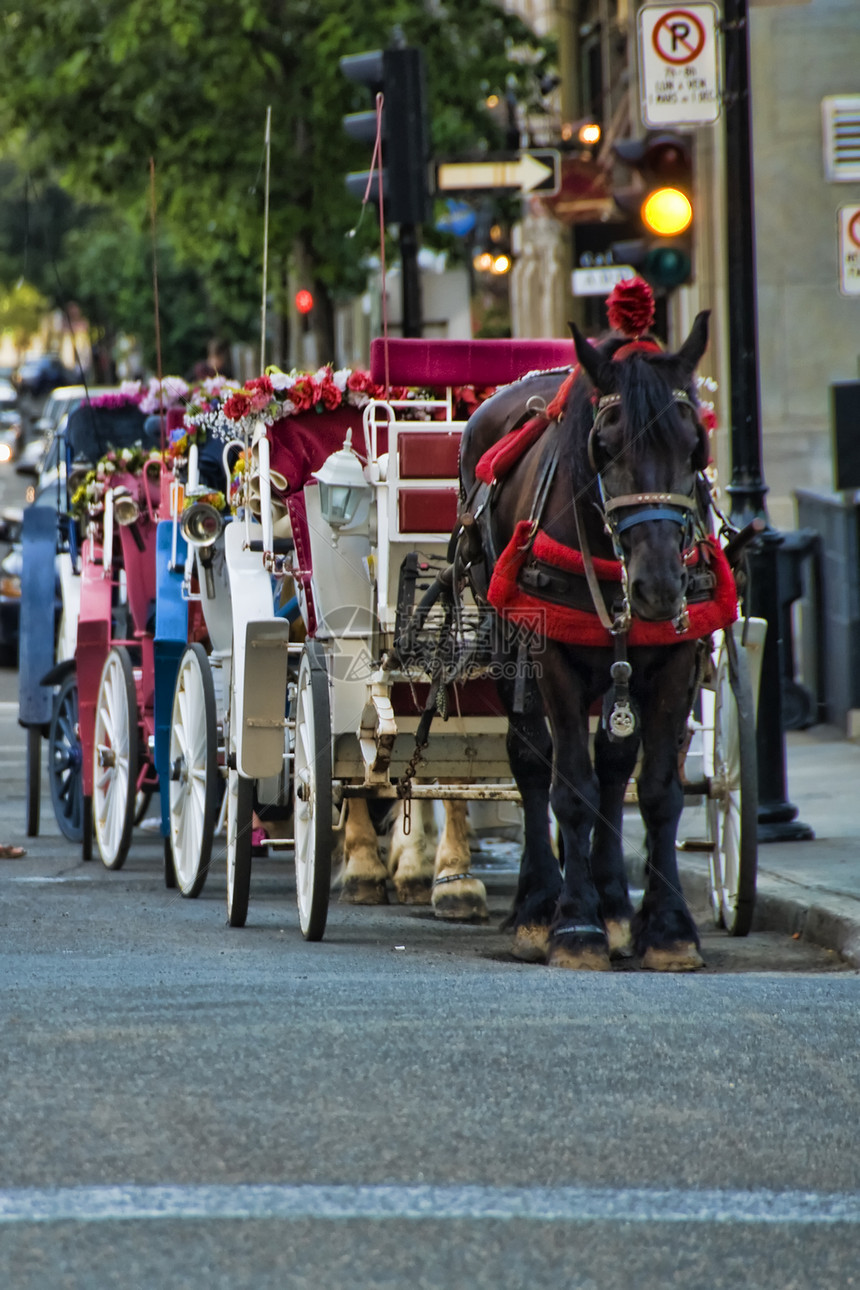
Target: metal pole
[(776, 816), (410, 281)]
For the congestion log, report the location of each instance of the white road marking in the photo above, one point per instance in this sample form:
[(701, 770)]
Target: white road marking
[(420, 1201)]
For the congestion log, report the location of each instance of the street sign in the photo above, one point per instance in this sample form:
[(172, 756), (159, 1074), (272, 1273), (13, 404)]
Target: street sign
[(678, 64), (599, 281), (849, 250), (536, 171)]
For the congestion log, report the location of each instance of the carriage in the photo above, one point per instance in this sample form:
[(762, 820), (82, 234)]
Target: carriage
[(393, 695), (94, 684)]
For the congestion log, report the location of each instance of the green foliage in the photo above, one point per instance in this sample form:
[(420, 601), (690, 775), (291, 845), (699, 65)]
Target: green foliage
[(95, 88)]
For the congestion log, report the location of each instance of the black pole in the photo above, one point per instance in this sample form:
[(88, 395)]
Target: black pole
[(410, 280), (776, 815)]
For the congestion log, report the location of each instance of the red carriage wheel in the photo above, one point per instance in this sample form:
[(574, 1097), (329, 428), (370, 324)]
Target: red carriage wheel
[(115, 758)]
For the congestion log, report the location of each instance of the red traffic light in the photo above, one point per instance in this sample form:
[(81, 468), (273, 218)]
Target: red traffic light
[(304, 301)]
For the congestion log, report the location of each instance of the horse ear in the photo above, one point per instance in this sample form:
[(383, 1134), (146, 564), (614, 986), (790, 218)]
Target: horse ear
[(591, 360), (696, 343)]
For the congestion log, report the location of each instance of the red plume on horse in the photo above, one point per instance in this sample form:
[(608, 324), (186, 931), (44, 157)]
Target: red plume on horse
[(586, 526)]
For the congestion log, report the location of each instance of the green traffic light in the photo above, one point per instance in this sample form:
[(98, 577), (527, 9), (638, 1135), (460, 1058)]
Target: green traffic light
[(667, 266)]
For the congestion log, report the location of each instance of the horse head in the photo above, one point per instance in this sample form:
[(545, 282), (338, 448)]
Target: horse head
[(645, 446)]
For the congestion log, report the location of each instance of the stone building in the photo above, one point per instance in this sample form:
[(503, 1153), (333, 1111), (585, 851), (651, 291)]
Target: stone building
[(803, 55)]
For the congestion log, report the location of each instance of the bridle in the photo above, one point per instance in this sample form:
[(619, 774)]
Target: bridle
[(678, 508)]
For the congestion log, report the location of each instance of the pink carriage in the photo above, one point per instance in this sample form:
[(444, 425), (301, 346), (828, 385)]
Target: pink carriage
[(128, 624)]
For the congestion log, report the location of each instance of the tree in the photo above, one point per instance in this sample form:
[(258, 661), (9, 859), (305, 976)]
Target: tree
[(95, 88)]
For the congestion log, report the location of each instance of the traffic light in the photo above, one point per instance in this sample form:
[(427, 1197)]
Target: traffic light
[(662, 206), (399, 75)]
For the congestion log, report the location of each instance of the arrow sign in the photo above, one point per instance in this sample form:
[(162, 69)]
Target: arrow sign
[(530, 172)]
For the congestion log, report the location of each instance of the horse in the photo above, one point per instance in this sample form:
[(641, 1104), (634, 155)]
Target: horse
[(421, 874), (594, 550)]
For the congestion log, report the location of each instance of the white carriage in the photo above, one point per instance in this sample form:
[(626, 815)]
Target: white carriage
[(345, 713)]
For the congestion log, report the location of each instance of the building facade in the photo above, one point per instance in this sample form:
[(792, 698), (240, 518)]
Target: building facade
[(803, 54)]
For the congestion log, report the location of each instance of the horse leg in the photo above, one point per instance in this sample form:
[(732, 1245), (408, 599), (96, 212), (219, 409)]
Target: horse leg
[(613, 763), (665, 934), (456, 894), (364, 879), (409, 861), (530, 754), (578, 937)]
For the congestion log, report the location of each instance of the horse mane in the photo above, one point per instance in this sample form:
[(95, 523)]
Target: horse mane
[(644, 379)]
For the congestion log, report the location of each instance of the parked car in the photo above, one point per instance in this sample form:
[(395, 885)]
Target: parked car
[(61, 401), (11, 437), (41, 453), (37, 376), (10, 587), (11, 566), (8, 394)]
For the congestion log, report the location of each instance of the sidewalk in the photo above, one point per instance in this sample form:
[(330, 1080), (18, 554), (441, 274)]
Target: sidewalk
[(811, 888)]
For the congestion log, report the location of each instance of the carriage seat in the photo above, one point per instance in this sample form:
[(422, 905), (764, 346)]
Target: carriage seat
[(442, 363), (426, 464)]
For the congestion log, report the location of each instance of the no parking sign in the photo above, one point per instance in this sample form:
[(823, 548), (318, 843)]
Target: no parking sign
[(849, 250), (678, 65)]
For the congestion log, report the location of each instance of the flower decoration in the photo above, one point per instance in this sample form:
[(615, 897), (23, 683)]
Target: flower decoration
[(87, 498), (211, 497), (630, 307), (160, 396)]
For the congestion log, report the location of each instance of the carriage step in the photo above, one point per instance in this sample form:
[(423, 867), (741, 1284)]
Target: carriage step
[(695, 844)]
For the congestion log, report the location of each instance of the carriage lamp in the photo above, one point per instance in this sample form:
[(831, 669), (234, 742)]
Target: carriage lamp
[(125, 508), (201, 524), (343, 487)]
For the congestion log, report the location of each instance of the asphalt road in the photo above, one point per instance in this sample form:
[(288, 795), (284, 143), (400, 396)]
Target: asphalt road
[(402, 1105)]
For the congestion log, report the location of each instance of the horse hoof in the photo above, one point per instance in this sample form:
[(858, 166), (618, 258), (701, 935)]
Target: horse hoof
[(683, 957), (620, 938), (462, 901), (364, 891), (531, 943), (586, 958), (413, 891)]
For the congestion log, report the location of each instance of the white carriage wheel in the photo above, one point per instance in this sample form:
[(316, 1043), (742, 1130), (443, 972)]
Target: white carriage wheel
[(733, 795), (115, 758), (312, 771), (240, 807), (193, 763)]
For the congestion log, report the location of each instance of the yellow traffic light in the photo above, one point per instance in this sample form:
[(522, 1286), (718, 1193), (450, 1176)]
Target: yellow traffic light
[(667, 211)]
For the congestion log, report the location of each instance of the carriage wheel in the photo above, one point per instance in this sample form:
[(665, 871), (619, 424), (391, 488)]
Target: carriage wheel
[(65, 771), (733, 797), (115, 758), (312, 771), (193, 770), (34, 779), (240, 808)]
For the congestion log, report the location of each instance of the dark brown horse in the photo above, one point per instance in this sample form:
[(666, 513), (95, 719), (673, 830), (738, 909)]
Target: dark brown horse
[(612, 488)]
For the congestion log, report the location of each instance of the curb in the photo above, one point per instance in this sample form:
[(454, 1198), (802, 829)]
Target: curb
[(821, 917)]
